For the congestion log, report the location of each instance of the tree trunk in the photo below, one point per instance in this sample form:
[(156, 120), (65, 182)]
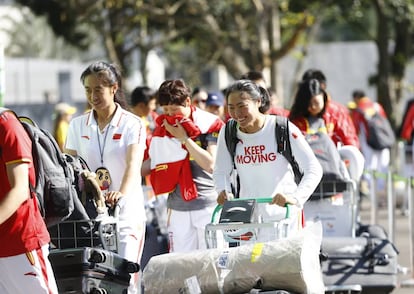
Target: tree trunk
[(275, 45), (384, 68)]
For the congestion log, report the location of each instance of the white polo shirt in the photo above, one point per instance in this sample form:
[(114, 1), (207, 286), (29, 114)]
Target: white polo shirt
[(110, 151)]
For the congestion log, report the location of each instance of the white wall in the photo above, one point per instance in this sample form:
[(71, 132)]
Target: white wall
[(28, 79)]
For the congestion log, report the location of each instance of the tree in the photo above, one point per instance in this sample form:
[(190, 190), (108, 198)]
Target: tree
[(395, 26), (392, 30), (241, 35), (388, 23), (43, 44)]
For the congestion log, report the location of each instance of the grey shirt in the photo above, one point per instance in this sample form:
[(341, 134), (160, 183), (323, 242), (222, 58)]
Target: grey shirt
[(206, 194)]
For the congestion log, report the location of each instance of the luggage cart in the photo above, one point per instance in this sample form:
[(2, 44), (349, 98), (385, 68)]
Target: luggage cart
[(84, 257), (334, 203), (97, 233), (86, 233), (232, 234), (253, 267)]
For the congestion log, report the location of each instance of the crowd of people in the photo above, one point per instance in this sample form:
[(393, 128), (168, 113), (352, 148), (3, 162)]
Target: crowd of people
[(172, 139)]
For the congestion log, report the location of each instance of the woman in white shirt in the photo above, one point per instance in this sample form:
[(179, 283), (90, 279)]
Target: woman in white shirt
[(263, 172), (112, 141)]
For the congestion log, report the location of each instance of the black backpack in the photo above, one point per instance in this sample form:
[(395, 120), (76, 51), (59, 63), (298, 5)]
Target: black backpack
[(325, 151), (55, 189), (282, 140), (380, 133)]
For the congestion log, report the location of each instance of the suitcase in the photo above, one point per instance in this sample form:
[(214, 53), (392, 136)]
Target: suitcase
[(368, 262), (91, 270)]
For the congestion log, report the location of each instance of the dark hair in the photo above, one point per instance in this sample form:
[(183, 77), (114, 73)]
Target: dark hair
[(264, 108), (307, 89), (110, 75), (173, 92), (197, 90), (265, 105), (314, 74), (253, 75), (142, 94), (357, 94), (255, 91)]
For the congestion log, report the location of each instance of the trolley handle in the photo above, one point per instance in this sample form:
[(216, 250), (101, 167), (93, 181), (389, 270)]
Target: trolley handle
[(219, 207)]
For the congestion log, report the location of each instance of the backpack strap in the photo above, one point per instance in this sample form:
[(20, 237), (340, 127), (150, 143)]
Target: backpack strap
[(282, 141), (283, 145), (231, 137), (230, 133)]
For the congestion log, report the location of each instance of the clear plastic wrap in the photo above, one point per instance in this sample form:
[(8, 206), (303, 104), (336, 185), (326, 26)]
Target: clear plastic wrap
[(291, 264)]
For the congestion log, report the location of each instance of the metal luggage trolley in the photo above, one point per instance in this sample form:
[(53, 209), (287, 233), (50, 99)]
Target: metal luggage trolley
[(84, 256), (102, 233), (334, 203), (235, 233)]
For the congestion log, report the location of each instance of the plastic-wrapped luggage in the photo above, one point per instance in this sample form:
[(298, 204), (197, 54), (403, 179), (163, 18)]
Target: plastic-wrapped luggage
[(290, 263)]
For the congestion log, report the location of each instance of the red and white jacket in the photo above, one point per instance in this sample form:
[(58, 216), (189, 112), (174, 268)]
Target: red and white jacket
[(170, 163)]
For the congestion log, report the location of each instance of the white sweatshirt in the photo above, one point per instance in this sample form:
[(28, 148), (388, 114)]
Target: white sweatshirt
[(262, 170)]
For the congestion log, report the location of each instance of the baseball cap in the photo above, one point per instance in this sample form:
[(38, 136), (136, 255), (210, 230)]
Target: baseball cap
[(65, 108), (215, 98)]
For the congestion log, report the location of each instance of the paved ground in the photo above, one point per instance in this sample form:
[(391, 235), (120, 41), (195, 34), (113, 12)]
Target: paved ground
[(401, 241)]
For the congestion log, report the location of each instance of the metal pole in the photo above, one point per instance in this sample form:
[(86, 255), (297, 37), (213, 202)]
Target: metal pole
[(374, 210), (411, 218), (391, 205), (410, 282)]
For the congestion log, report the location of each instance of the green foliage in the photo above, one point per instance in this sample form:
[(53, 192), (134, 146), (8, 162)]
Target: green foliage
[(235, 33), (62, 18), (32, 37)]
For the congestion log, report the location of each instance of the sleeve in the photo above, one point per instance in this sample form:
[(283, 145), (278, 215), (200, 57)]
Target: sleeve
[(71, 137), (223, 165), (308, 163), (15, 137), (138, 134), (345, 130), (212, 137), (408, 124)]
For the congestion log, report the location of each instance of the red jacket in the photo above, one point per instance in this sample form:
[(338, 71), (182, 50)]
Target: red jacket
[(170, 164), (407, 126), (279, 111), (338, 124)]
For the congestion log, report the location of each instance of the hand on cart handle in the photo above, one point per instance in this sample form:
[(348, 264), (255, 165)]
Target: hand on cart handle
[(283, 200), (219, 206), (224, 196), (112, 197)]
